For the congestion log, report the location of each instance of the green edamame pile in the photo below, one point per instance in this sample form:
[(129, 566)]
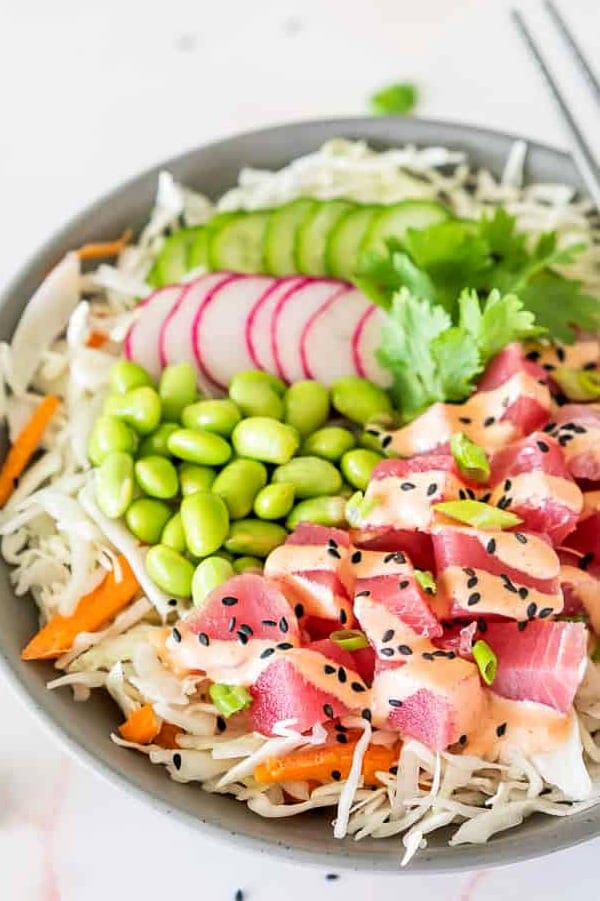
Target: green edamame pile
[(214, 485)]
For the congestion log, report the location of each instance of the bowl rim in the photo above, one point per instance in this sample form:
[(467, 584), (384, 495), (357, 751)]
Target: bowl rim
[(420, 131)]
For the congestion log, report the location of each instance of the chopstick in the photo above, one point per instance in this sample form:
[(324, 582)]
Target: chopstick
[(583, 156), (574, 47)]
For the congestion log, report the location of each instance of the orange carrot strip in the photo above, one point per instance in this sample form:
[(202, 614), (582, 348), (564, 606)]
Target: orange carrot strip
[(93, 611), (104, 248), (25, 445), (318, 763), (142, 726), (167, 737), (96, 339)]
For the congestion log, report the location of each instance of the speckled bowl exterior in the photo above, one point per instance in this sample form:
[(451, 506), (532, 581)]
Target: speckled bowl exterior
[(86, 728)]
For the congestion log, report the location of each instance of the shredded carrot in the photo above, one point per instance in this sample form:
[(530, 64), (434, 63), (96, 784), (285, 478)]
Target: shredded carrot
[(93, 611), (318, 764), (142, 726), (96, 339), (167, 737), (25, 446), (104, 248)]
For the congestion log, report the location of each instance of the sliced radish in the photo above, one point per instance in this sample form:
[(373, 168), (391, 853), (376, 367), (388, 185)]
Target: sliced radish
[(258, 333), (142, 342), (291, 316), (365, 341), (219, 330), (326, 341), (176, 344)]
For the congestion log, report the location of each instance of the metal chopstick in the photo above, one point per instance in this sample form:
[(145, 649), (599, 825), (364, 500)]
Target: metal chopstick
[(584, 159), (574, 47)]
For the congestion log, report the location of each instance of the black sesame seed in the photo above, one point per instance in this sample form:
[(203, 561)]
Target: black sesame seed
[(439, 654), (462, 740), (520, 537), (585, 561), (177, 761), (285, 646), (172, 602), (522, 625), (328, 669), (545, 611), (482, 625), (333, 552), (523, 592), (242, 637), (267, 653), (357, 687), (500, 730), (564, 440), (342, 675), (332, 542), (328, 711), (299, 610), (468, 571), (403, 584), (507, 583), (387, 652), (386, 441), (336, 775), (485, 497), (488, 421), (589, 366), (330, 877), (203, 639), (472, 582), (387, 635), (427, 656), (533, 355), (176, 635), (268, 622), (343, 617), (407, 486), (548, 428), (341, 738), (462, 494), (339, 728), (560, 353), (356, 557), (363, 594), (404, 649), (471, 494), (504, 502), (543, 446), (568, 426), (579, 429), (393, 770), (450, 655), (473, 599), (231, 625), (229, 601), (246, 629), (466, 420), (548, 367), (531, 610), (374, 432), (432, 489), (394, 702), (239, 895), (221, 724), (366, 714), (507, 484), (283, 624)]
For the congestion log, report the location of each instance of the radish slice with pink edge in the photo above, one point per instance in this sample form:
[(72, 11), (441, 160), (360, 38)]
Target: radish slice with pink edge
[(142, 342), (219, 330), (365, 341), (258, 333), (326, 341), (176, 345), (290, 317)]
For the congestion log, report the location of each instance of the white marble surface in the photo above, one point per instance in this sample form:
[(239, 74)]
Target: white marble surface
[(90, 95)]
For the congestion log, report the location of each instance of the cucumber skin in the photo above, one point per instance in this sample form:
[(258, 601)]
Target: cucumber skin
[(337, 264), (374, 238), (171, 263), (332, 210), (279, 259), (222, 253)]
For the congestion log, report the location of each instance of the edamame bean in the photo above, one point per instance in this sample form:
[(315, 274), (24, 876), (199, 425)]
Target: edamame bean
[(173, 535), (177, 389), (238, 484), (205, 522), (125, 375), (114, 484), (157, 477), (199, 446), (359, 399), (331, 443), (310, 476), (140, 408), (255, 538), (258, 394), (274, 501), (171, 571), (208, 575), (265, 439), (357, 466), (306, 406), (218, 416), (146, 518), (325, 511), (193, 477), (110, 435), (156, 443), (248, 565)]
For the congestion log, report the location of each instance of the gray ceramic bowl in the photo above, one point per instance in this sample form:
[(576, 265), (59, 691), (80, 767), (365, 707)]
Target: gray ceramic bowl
[(85, 728)]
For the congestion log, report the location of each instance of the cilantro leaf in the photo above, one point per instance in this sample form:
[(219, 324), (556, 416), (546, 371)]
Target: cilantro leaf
[(457, 361), (560, 306), (395, 99), (501, 321), (381, 275)]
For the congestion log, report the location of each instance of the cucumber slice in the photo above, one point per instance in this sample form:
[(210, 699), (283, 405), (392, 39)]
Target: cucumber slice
[(171, 263), (280, 236), (345, 240), (313, 234), (198, 252), (236, 241), (393, 221)]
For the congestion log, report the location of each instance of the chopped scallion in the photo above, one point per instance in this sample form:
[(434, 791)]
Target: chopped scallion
[(470, 458), (359, 507), (349, 639), (486, 661), (478, 514), (229, 699), (578, 384), (426, 580)]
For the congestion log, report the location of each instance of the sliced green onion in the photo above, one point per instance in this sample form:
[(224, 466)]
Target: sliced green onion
[(596, 654), (359, 507), (478, 514), (470, 458), (349, 639), (426, 580), (397, 99), (576, 618), (577, 384), (229, 699), (486, 660)]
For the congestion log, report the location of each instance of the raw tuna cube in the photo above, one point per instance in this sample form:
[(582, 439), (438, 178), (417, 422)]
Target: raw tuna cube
[(576, 427)]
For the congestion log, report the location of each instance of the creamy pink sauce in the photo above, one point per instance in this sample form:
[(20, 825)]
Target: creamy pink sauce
[(526, 726), (587, 588), (452, 586), (575, 356), (409, 509), (537, 486)]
